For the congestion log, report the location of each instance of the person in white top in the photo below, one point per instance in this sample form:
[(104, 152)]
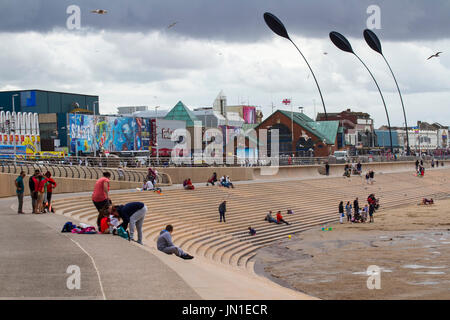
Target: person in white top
[(148, 186)]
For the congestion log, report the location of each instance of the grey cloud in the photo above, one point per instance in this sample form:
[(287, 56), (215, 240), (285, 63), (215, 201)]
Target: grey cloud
[(236, 20)]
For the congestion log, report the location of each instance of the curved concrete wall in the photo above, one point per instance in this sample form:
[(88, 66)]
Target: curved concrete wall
[(64, 185)]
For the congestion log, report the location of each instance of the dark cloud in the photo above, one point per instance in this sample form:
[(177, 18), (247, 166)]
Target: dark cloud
[(236, 20)]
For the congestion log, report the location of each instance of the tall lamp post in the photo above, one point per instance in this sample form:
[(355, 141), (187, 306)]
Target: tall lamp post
[(342, 43), (95, 131), (14, 125), (373, 42), (278, 27)]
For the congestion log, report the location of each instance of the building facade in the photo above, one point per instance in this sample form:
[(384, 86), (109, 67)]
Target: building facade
[(301, 136)]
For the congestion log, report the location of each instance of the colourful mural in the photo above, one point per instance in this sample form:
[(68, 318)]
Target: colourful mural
[(111, 134)]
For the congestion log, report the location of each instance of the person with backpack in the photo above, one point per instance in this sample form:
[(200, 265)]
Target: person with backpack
[(165, 244), (33, 184), (132, 213), (222, 210), (20, 189)]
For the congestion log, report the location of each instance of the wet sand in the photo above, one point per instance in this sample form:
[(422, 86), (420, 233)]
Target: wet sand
[(411, 246)]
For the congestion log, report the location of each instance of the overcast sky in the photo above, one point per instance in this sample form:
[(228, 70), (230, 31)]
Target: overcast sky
[(129, 56)]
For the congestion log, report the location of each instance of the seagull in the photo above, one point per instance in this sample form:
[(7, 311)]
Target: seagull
[(172, 25), (435, 55), (99, 11), (325, 53)]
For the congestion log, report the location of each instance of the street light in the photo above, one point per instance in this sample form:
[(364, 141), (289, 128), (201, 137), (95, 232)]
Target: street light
[(277, 26), (95, 129), (373, 42), (342, 43), (14, 125)]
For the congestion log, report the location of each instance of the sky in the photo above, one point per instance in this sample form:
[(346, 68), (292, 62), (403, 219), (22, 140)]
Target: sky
[(130, 56)]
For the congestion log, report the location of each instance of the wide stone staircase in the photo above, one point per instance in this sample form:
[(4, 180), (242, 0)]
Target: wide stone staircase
[(194, 214)]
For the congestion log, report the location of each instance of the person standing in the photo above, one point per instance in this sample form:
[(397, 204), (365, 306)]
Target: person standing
[(222, 210), (20, 189), (33, 183), (348, 209), (341, 212), (417, 164), (371, 211), (49, 184), (100, 196), (165, 244), (359, 168), (327, 169), (132, 213), (356, 207)]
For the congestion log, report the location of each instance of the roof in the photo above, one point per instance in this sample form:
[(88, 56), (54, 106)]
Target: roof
[(324, 130), (383, 139), (181, 112)]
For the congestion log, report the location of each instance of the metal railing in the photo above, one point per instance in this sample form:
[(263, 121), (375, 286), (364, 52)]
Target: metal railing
[(84, 165), (75, 171)]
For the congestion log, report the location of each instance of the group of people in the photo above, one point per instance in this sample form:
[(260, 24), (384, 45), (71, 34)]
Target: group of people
[(370, 177), (420, 169), (279, 218), (224, 181), (116, 219), (41, 189), (360, 215), (354, 168)]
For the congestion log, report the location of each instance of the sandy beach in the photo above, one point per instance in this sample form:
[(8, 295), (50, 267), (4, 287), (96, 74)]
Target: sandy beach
[(411, 246)]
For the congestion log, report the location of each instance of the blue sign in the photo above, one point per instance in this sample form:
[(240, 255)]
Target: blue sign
[(28, 99)]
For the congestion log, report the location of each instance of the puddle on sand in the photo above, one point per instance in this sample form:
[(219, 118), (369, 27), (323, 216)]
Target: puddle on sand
[(429, 272), (415, 266), (365, 272), (424, 283), (436, 252)]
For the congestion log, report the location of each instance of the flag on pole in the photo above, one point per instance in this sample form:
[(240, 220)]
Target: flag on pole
[(286, 101)]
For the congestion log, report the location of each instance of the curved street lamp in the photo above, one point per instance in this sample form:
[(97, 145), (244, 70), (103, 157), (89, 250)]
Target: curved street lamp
[(278, 27), (373, 42), (342, 43)]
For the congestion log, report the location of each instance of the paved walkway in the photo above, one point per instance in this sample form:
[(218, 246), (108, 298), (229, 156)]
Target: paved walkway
[(35, 255)]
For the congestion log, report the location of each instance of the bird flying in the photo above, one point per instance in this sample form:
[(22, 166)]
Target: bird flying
[(435, 55), (99, 11), (172, 25)]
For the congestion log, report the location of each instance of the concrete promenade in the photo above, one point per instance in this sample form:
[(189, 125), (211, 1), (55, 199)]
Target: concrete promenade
[(35, 255)]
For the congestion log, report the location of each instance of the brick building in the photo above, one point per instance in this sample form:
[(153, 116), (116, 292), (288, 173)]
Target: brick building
[(310, 138)]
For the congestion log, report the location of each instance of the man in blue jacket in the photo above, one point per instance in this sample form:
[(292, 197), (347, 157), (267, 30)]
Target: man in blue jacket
[(132, 213), (165, 244)]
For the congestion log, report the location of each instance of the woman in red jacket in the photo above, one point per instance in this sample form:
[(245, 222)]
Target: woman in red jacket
[(50, 185), (280, 218)]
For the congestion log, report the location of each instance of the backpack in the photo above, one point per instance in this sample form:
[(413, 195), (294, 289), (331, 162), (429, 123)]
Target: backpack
[(123, 233), (68, 226)]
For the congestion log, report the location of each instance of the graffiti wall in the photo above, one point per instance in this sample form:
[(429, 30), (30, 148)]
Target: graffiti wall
[(106, 133)]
